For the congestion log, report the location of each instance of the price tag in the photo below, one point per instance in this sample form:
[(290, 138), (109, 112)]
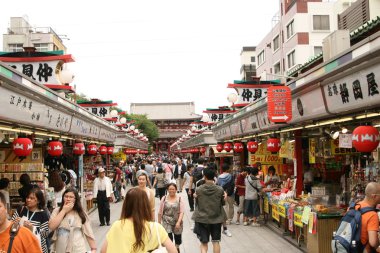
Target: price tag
[(275, 213), (298, 220), (282, 211)]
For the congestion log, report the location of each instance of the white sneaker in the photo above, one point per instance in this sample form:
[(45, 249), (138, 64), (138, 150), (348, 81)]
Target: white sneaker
[(237, 222), (227, 233), (245, 223), (228, 222), (192, 226), (255, 224)]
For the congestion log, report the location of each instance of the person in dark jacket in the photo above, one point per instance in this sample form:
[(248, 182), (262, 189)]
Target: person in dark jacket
[(27, 186)]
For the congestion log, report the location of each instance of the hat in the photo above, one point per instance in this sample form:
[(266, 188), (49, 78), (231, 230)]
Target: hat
[(100, 170)]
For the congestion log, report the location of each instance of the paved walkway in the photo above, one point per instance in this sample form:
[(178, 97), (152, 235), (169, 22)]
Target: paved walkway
[(245, 239)]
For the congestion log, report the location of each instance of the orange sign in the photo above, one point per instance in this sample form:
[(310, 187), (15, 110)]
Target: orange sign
[(279, 104)]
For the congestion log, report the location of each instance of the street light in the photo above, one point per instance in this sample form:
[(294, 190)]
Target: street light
[(232, 98), (123, 120), (132, 127), (114, 113)]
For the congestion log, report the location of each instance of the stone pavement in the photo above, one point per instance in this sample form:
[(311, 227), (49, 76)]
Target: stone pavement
[(245, 239)]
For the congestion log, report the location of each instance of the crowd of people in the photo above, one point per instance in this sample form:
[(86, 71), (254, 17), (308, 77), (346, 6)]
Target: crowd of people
[(212, 194)]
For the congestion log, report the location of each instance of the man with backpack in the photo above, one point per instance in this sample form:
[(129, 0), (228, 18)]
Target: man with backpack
[(358, 230), (17, 238), (227, 182), (197, 174)]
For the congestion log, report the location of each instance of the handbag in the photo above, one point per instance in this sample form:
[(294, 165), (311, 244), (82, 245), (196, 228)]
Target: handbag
[(160, 248)]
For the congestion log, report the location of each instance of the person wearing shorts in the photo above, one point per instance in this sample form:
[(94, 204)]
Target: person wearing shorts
[(209, 213), (251, 202)]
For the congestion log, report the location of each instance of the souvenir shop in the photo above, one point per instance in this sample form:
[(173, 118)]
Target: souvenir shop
[(41, 132), (324, 155)]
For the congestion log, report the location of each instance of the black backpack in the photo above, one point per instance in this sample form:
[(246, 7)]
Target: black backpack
[(229, 187), (198, 174)]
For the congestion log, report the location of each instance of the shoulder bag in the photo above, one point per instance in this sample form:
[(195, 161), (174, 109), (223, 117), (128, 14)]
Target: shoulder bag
[(257, 189), (160, 248)]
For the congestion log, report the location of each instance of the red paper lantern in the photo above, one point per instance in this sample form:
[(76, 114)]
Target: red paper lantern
[(365, 138), (273, 145), (22, 147), (219, 147), (103, 150), (110, 150), (92, 149), (227, 146), (252, 146), (202, 150), (78, 148), (55, 148), (238, 147)]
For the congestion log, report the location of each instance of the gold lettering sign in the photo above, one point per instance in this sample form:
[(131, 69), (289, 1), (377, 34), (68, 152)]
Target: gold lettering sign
[(298, 219), (265, 159)]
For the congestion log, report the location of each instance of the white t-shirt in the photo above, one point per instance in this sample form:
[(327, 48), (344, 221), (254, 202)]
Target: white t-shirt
[(186, 177)]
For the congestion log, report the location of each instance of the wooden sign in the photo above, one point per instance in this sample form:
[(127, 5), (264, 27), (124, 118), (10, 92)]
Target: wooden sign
[(279, 104)]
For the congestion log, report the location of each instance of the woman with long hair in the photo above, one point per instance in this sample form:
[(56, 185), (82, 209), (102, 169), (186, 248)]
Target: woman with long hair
[(71, 225), (34, 216), (55, 181), (171, 214), (159, 183), (142, 180), (134, 233)]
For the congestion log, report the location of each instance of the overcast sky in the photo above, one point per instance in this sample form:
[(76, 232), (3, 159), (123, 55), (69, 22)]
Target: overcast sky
[(152, 50)]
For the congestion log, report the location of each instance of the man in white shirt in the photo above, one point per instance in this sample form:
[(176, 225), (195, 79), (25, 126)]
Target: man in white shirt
[(102, 193)]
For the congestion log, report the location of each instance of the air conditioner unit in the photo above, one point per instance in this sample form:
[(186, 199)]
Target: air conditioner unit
[(335, 43)]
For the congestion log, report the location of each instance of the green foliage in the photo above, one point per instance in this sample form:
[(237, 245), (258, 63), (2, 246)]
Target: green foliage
[(145, 125)]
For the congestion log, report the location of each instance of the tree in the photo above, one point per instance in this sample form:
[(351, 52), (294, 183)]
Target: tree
[(145, 125)]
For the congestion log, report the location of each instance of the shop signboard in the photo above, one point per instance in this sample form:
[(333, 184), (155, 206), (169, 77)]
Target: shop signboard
[(119, 156), (107, 135), (250, 95), (82, 127), (266, 205), (357, 90), (235, 129), (287, 150), (17, 107), (336, 150), (275, 214), (223, 132), (282, 211), (279, 104), (100, 111), (253, 124), (265, 159), (298, 219), (312, 144), (345, 141)]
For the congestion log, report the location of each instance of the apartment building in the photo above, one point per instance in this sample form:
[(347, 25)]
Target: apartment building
[(21, 34), (247, 63)]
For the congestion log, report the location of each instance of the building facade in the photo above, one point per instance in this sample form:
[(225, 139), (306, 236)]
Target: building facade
[(248, 63), (172, 119)]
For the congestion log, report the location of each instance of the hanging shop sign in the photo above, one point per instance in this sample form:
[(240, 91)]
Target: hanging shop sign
[(265, 159), (312, 144), (336, 150), (287, 150), (357, 90), (20, 108), (345, 141), (279, 104), (250, 95), (100, 111), (216, 115)]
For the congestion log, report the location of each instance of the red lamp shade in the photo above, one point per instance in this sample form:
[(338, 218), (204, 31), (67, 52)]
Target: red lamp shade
[(252, 146), (110, 150), (238, 147), (365, 138), (273, 145), (55, 148), (219, 147), (92, 149), (78, 148), (103, 150), (22, 147), (202, 150), (227, 146)]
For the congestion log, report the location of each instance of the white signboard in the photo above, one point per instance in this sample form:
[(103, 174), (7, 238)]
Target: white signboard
[(358, 90), (345, 140), (107, 135), (42, 72), (84, 128), (235, 129), (222, 133), (101, 111), (250, 95), (20, 108), (217, 116)]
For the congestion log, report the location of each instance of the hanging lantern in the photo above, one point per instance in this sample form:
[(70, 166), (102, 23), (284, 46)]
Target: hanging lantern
[(219, 147), (92, 149), (22, 147), (110, 150), (202, 150), (227, 146), (78, 148), (273, 145), (365, 138), (238, 147), (195, 150), (252, 146), (103, 150), (55, 148)]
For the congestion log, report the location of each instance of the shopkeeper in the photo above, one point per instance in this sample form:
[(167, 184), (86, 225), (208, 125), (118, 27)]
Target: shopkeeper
[(308, 179), (271, 179)]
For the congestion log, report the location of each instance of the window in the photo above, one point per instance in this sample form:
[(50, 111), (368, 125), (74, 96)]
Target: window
[(253, 59), (41, 47), (321, 22), (317, 50), (15, 47), (276, 43), (290, 29), (277, 68), (291, 59), (261, 57)]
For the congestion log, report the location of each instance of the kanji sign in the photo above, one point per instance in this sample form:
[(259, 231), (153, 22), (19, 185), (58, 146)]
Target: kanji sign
[(279, 104)]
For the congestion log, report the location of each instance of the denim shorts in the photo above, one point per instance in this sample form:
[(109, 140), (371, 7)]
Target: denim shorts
[(251, 208)]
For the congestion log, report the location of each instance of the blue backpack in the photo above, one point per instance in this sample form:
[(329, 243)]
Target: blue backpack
[(349, 230)]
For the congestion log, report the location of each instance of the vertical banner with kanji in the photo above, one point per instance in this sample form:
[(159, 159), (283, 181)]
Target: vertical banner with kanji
[(311, 150)]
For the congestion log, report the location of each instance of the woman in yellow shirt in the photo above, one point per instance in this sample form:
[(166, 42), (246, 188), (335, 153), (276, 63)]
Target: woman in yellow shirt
[(134, 233)]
